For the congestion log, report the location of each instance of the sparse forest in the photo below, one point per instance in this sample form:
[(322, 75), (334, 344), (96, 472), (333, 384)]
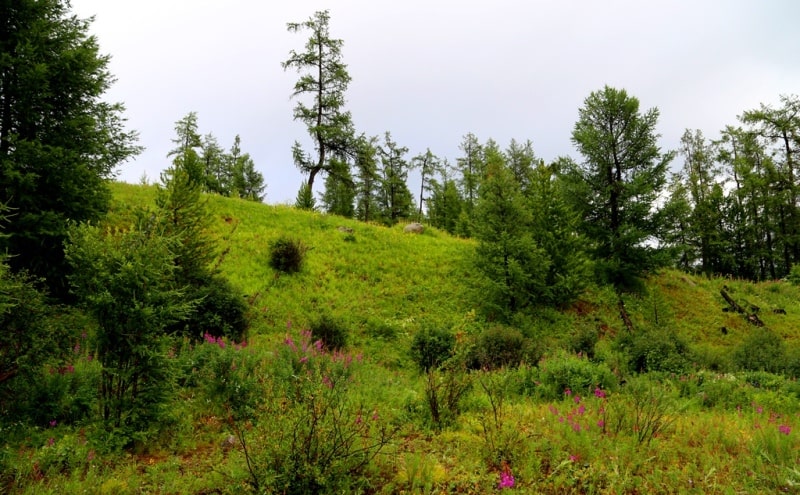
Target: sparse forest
[(624, 320)]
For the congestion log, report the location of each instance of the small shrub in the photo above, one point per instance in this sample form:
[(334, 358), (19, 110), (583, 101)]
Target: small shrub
[(431, 347), (287, 255), (762, 350), (316, 435), (221, 310), (583, 340), (330, 331), (563, 372), (655, 350), (498, 347)]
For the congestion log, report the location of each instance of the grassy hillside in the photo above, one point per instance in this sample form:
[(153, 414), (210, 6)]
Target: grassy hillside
[(566, 423)]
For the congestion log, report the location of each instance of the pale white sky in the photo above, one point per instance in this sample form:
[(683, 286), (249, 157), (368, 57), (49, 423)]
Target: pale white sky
[(431, 71)]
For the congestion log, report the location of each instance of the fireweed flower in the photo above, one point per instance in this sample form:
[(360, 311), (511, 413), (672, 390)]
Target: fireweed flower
[(567, 392), (577, 399), (506, 478), (53, 423), (785, 429), (599, 393)]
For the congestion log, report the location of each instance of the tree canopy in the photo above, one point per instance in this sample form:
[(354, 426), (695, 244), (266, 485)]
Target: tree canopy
[(59, 140)]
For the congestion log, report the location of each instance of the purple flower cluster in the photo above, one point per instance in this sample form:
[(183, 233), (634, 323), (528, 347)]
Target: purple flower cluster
[(506, 478), (221, 342)]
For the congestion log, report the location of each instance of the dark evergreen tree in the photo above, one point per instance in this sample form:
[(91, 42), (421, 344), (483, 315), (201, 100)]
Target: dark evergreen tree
[(623, 174), (554, 230), (367, 180), (395, 198), (245, 181), (217, 179), (512, 265), (60, 141), (339, 191)]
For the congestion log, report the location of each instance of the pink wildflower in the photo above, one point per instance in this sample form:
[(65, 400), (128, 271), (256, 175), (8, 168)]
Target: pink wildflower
[(506, 478), (51, 441), (567, 392), (601, 424), (574, 458), (581, 410), (577, 399), (785, 429), (53, 423), (599, 393), (91, 455)]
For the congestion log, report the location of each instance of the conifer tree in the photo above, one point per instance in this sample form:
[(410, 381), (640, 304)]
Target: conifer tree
[(324, 78), (395, 197), (623, 173), (60, 140), (512, 265)]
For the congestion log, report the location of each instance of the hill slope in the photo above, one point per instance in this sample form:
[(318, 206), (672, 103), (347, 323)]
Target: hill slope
[(385, 283)]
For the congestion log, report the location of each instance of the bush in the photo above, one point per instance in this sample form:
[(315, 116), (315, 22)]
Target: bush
[(762, 350), (330, 331), (431, 347), (499, 347), (563, 372), (655, 350), (287, 255), (221, 311)]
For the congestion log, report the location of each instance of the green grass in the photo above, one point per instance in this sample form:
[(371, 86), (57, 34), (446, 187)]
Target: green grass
[(721, 431)]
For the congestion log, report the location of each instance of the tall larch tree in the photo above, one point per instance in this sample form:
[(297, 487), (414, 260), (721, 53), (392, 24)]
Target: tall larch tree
[(623, 173), (427, 163), (780, 127), (60, 140), (323, 81)]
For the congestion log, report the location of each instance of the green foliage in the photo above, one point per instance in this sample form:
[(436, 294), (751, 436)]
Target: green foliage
[(566, 373), (317, 437), (59, 143), (512, 265), (305, 198), (445, 389), (287, 255), (646, 410), (616, 191), (339, 190), (499, 347), (332, 332), (324, 78), (656, 349), (762, 350), (432, 346), (125, 279), (220, 309), (394, 197)]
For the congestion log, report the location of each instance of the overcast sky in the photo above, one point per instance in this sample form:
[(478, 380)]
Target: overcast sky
[(431, 71)]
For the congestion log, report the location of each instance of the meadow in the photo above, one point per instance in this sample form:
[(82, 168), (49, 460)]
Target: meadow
[(696, 400)]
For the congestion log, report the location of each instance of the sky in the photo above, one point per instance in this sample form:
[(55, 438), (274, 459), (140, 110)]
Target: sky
[(432, 71)]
